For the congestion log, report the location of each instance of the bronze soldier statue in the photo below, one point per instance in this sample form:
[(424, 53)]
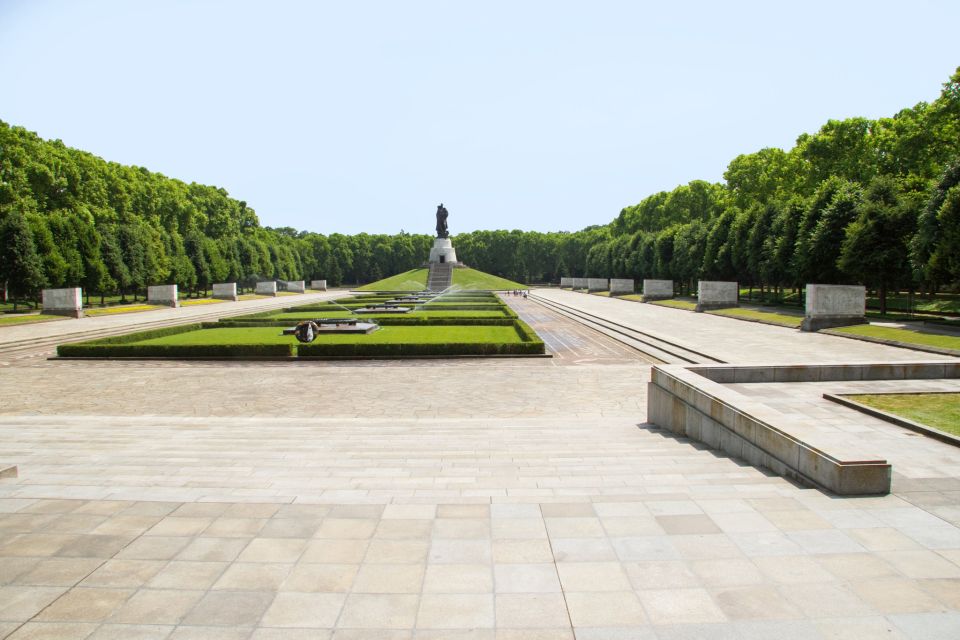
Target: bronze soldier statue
[(442, 214)]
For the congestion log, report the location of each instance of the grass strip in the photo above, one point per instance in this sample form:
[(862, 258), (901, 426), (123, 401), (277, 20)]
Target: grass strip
[(676, 304), (906, 336), (131, 308), (768, 317), (938, 410), (28, 318)]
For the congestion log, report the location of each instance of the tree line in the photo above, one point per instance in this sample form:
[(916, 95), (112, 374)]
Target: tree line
[(870, 201)]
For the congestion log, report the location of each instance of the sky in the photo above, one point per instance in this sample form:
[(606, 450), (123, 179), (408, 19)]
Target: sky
[(357, 117)]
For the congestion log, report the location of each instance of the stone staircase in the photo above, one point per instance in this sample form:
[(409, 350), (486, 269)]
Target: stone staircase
[(440, 276)]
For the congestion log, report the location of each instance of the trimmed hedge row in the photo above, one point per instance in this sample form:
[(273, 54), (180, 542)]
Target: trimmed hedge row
[(360, 349), (383, 322), (177, 351)]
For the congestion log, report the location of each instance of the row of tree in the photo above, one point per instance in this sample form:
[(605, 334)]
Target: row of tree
[(869, 201)]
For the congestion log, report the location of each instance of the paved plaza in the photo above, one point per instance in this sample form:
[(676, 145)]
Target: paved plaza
[(496, 499)]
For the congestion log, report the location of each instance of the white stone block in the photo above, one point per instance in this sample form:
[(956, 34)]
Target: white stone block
[(318, 285), (566, 282), (443, 251), (620, 286), (657, 289), (63, 302), (296, 286), (268, 288), (834, 305), (579, 283), (598, 284), (717, 295), (225, 291), (163, 294)]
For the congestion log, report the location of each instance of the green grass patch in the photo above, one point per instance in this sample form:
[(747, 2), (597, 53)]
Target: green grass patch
[(770, 317), (413, 280), (938, 410), (195, 301), (127, 308), (908, 336), (676, 304), (635, 297), (28, 318)]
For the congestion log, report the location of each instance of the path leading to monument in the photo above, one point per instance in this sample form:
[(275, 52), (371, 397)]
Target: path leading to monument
[(735, 341)]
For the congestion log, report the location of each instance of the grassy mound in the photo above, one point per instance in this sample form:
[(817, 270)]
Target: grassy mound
[(416, 280)]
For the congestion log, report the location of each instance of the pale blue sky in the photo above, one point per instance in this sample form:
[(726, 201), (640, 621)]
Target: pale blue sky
[(362, 116)]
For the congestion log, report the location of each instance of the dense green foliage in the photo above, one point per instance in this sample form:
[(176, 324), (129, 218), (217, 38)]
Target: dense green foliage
[(869, 201)]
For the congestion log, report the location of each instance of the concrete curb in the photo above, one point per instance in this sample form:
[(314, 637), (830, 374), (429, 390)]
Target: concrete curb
[(942, 436)]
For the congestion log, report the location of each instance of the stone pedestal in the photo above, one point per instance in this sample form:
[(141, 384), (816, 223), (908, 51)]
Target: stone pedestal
[(621, 286), (717, 295), (579, 283), (268, 288), (834, 305), (657, 290), (163, 294), (63, 302), (318, 285), (225, 291), (566, 282), (597, 284), (443, 251), (296, 286)]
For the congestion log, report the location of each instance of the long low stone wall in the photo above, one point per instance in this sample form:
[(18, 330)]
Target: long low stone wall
[(717, 295), (225, 291), (63, 302), (657, 289), (834, 305), (318, 285), (693, 402), (163, 294), (598, 284)]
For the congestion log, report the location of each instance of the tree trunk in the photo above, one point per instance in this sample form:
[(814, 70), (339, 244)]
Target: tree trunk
[(882, 291)]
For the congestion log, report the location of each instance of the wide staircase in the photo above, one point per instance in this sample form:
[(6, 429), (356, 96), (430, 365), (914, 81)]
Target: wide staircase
[(440, 276)]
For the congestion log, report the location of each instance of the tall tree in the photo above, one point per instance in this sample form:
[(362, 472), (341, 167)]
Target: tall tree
[(21, 270)]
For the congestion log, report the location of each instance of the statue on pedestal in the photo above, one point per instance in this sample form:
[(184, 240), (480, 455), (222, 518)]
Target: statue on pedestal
[(442, 214)]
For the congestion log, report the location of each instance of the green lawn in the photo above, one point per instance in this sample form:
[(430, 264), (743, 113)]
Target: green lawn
[(908, 336), (416, 280), (385, 335), (636, 297), (937, 410), (27, 318), (413, 280), (677, 304), (771, 317), (194, 301)]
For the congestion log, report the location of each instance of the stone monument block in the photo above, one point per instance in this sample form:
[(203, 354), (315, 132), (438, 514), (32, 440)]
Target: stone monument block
[(443, 251), (834, 305), (163, 294), (318, 285), (566, 282), (296, 286), (621, 286), (657, 289), (598, 284), (579, 283), (63, 302), (717, 295), (268, 288), (225, 291)]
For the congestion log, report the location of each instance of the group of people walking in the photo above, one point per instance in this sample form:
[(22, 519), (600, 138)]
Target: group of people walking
[(519, 292)]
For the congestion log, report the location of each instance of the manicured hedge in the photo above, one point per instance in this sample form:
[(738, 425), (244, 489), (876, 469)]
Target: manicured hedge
[(400, 350), (90, 350)]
